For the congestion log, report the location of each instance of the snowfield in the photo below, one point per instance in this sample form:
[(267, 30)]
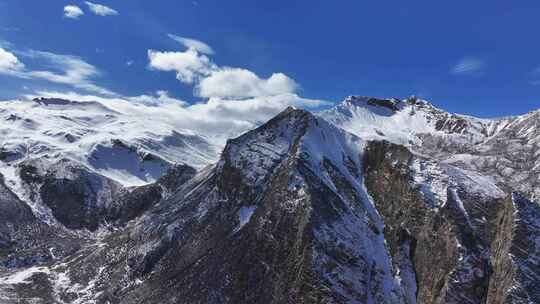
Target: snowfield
[(131, 143)]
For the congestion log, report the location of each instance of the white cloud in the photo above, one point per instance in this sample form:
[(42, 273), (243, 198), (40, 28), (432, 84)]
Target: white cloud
[(68, 70), (72, 11), (210, 80), (468, 66), (9, 63), (189, 43), (241, 83), (72, 71), (216, 118), (251, 111), (188, 65), (159, 98), (100, 9)]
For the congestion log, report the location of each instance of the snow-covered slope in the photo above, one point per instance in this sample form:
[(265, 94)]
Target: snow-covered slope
[(405, 121), (505, 149), (124, 141)]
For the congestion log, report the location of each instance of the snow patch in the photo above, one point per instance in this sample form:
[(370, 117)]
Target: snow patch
[(22, 276), (244, 215)]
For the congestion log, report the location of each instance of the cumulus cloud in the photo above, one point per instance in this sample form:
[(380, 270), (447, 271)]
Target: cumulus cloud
[(188, 65), (468, 66), (9, 63), (210, 80), (66, 69), (241, 83), (189, 43), (100, 9), (72, 11)]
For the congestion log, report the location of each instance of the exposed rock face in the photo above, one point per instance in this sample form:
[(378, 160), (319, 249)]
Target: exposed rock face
[(25, 240), (74, 195), (130, 203), (295, 211), (515, 253), (391, 104), (445, 245), (43, 259), (496, 236)]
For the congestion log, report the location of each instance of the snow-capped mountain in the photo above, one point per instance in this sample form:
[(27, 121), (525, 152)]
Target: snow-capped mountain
[(372, 201), (505, 149), (126, 142), (405, 121)]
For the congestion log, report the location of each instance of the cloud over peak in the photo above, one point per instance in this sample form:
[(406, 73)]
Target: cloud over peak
[(215, 118), (242, 83), (100, 9), (72, 11)]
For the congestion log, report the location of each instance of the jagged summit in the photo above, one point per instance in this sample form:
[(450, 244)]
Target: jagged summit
[(293, 133), (394, 104), (64, 102), (405, 121)]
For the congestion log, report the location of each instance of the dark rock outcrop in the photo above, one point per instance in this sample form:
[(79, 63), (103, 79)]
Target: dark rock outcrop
[(26, 241), (477, 256)]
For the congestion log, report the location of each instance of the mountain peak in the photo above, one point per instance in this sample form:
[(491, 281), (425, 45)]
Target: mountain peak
[(394, 104), (257, 152), (389, 103), (402, 121), (64, 102)]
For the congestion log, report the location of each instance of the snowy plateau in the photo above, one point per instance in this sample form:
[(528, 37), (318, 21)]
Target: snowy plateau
[(371, 201)]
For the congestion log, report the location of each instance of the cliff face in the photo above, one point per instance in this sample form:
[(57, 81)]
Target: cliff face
[(471, 249), (515, 252)]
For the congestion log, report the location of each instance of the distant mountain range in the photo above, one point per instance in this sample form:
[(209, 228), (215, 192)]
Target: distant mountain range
[(372, 201)]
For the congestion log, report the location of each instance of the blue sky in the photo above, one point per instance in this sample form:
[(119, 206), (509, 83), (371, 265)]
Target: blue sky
[(473, 57)]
